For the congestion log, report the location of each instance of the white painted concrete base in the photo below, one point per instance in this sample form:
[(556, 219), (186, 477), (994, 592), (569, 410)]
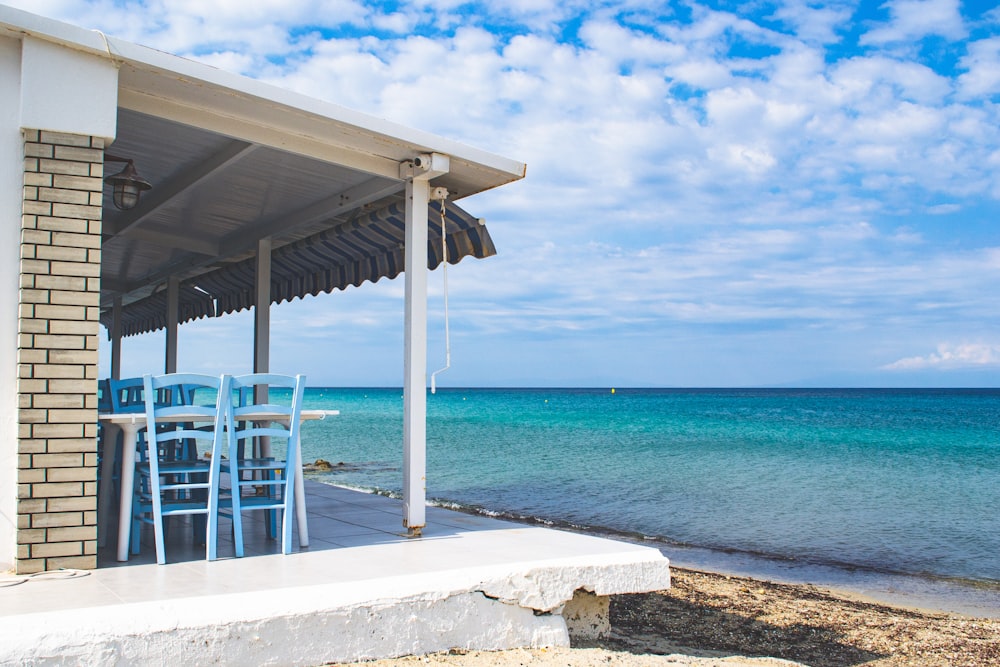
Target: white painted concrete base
[(324, 623), (367, 593), (153, 634)]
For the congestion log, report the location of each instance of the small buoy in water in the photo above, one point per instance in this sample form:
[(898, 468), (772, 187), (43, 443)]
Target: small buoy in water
[(612, 390)]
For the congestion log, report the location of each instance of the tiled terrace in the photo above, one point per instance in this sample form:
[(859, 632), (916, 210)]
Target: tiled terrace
[(362, 589)]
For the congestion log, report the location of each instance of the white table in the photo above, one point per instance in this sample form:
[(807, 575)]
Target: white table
[(130, 424)]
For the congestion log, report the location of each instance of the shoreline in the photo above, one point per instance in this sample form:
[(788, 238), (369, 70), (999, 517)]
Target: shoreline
[(926, 593), (923, 593)]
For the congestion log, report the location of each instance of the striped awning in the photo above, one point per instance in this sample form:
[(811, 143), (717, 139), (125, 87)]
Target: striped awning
[(150, 313), (367, 248)]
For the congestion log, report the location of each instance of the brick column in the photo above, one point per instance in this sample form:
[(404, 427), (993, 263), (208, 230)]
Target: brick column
[(58, 325)]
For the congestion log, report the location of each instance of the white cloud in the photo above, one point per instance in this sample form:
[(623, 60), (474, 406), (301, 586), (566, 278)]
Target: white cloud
[(397, 22), (699, 73), (951, 356), (982, 65), (872, 81), (906, 236), (912, 20), (752, 160), (815, 24), (623, 45), (944, 209)]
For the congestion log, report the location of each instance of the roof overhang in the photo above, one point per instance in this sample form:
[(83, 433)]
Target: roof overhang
[(233, 160)]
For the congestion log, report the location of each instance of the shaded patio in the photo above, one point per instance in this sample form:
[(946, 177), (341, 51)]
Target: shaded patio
[(252, 195)]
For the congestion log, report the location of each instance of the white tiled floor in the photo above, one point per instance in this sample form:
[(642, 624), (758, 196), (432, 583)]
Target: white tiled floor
[(354, 537)]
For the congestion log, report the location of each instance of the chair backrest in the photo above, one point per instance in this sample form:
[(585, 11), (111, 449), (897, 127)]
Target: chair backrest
[(176, 395), (285, 406), (125, 395), (128, 395), (104, 395), (176, 421)]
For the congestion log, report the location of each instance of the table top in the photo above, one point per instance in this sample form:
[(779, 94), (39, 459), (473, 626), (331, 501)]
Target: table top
[(140, 417)]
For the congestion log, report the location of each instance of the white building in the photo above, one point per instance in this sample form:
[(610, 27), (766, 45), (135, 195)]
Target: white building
[(241, 173)]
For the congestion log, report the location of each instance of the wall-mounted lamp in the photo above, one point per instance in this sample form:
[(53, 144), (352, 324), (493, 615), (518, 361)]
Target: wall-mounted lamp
[(127, 183)]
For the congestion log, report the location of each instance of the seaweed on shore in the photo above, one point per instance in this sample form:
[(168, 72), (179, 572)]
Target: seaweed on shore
[(707, 613)]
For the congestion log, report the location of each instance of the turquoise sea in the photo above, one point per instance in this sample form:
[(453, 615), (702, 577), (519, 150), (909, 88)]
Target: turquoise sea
[(891, 493)]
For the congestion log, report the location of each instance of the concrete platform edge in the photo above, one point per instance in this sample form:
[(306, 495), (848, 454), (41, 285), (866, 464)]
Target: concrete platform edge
[(488, 608)]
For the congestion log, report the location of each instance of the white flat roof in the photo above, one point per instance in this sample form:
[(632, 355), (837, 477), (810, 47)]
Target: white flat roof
[(158, 81), (233, 160)]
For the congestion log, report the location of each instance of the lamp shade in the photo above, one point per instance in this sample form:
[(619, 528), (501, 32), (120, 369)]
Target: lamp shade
[(128, 185)]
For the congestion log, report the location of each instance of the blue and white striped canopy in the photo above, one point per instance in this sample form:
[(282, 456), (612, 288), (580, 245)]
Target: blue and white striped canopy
[(367, 248), (150, 313)]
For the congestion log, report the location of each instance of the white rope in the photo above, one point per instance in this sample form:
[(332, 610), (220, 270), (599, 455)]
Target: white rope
[(65, 573), (447, 333)]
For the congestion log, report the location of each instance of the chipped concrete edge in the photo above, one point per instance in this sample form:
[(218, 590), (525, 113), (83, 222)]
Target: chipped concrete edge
[(489, 608), (547, 588)]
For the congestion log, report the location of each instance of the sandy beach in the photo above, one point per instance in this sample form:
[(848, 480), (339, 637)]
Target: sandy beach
[(711, 619)]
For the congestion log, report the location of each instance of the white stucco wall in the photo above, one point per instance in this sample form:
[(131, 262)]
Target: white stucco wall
[(69, 91), (11, 170)]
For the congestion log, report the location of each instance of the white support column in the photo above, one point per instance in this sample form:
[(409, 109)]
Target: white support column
[(417, 174), (11, 208), (415, 357), (116, 339), (170, 362)]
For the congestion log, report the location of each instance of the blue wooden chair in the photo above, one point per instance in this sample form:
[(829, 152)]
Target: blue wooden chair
[(119, 396), (125, 395), (104, 395), (103, 406), (168, 484), (263, 482)]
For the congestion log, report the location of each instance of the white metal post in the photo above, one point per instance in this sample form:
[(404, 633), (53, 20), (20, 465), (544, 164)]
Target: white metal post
[(417, 173), (415, 357)]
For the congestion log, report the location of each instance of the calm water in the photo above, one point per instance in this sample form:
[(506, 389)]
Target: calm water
[(874, 489)]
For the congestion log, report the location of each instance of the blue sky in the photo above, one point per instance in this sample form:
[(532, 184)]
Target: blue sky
[(718, 194)]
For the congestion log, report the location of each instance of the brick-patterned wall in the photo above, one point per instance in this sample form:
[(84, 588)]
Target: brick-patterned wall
[(57, 351)]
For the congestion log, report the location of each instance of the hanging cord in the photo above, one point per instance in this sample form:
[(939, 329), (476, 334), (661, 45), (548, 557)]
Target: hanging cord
[(107, 47), (444, 270)]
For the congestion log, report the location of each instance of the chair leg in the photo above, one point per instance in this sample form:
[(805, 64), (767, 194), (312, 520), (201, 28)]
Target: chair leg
[(237, 520), (286, 517), (199, 523), (161, 556), (272, 491), (136, 533), (272, 515), (212, 521), (288, 490)]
